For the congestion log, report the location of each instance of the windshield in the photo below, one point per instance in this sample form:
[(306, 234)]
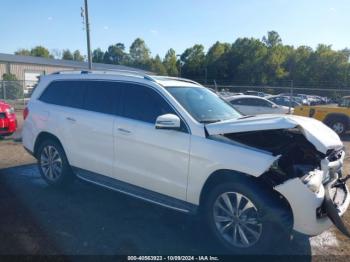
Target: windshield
[(203, 105)]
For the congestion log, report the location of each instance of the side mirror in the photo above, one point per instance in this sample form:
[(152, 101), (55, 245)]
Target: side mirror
[(275, 106), (169, 122)]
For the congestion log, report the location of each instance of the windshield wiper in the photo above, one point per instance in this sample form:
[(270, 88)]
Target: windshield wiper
[(244, 117)]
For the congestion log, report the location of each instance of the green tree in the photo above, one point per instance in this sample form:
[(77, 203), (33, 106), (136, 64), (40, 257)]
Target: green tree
[(298, 63), (40, 51), (67, 55), (215, 61), (77, 56), (170, 63), (157, 66), (193, 62), (23, 52), (115, 54), (272, 39), (12, 89), (97, 56), (139, 54), (246, 61)]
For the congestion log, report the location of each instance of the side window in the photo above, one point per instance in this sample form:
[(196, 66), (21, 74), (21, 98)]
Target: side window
[(237, 102), (144, 104), (259, 102), (64, 93), (246, 102), (101, 97)]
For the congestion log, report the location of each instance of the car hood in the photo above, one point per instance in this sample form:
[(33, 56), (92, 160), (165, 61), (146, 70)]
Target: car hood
[(317, 133)]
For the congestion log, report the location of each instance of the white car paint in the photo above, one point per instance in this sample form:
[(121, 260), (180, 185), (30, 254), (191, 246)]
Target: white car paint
[(320, 135), (169, 162), (254, 105)]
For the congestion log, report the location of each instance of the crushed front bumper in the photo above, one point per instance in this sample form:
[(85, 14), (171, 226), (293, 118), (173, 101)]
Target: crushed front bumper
[(313, 213), (336, 202)]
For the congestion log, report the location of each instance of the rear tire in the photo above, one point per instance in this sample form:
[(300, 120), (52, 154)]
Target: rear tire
[(338, 125), (53, 164), (252, 227)]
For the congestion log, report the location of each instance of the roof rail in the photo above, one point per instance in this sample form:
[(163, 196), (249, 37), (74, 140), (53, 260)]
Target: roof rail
[(148, 77), (107, 72), (160, 78)]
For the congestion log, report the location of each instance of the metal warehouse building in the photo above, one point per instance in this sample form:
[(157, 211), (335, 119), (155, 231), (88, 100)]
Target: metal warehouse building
[(27, 68)]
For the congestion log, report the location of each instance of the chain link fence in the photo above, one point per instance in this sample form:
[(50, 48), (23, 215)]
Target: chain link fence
[(16, 93)]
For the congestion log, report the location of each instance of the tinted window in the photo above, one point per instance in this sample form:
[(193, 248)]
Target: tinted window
[(144, 104), (237, 102), (251, 102), (261, 102), (244, 102), (101, 96), (64, 93)]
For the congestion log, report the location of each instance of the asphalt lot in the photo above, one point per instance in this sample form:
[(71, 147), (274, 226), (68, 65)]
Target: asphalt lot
[(88, 220), (85, 219)]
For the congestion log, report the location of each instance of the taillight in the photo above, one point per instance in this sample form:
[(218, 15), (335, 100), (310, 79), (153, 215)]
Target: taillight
[(25, 113)]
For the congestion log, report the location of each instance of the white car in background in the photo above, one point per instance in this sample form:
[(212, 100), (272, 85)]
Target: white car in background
[(254, 105)]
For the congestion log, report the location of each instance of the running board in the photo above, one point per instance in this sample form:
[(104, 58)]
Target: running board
[(135, 191)]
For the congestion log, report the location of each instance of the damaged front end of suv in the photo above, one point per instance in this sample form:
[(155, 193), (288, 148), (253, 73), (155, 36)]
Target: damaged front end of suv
[(307, 170)]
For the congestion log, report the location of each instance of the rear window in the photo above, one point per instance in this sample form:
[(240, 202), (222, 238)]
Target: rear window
[(64, 93), (96, 96)]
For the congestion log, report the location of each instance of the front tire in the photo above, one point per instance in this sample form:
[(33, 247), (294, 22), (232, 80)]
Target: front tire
[(53, 164), (239, 215)]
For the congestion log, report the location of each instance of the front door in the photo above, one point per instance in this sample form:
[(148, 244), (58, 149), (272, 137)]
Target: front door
[(153, 159)]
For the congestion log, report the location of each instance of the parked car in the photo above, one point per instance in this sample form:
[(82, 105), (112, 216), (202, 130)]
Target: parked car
[(255, 93), (174, 143), (8, 121), (283, 101), (336, 117), (253, 105)]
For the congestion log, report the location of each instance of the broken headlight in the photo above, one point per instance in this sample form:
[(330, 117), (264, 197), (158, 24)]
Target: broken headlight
[(313, 180)]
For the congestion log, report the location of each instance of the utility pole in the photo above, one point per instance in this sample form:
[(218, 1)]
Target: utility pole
[(87, 27), (291, 96)]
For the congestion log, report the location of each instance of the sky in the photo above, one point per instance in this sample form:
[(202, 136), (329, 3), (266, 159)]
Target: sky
[(164, 24)]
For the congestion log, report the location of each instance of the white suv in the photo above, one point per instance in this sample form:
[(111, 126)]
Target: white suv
[(173, 142)]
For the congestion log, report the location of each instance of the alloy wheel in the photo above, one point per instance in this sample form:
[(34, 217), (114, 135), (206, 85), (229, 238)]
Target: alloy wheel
[(236, 219), (51, 163), (338, 127)]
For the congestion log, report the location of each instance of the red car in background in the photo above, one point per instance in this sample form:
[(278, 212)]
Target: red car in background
[(8, 121)]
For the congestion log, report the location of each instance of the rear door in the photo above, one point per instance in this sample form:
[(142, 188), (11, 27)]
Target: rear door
[(82, 114), (91, 128), (151, 158)]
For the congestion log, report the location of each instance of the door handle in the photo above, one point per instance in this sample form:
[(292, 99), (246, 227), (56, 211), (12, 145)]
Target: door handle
[(71, 119), (124, 131)]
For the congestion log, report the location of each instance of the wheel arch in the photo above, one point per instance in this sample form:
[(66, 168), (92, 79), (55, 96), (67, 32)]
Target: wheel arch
[(42, 137), (224, 175), (332, 116)]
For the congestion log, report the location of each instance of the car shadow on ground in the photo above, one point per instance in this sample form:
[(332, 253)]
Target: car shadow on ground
[(85, 219)]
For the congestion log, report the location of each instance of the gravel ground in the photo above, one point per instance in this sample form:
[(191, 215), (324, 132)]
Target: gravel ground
[(81, 221)]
